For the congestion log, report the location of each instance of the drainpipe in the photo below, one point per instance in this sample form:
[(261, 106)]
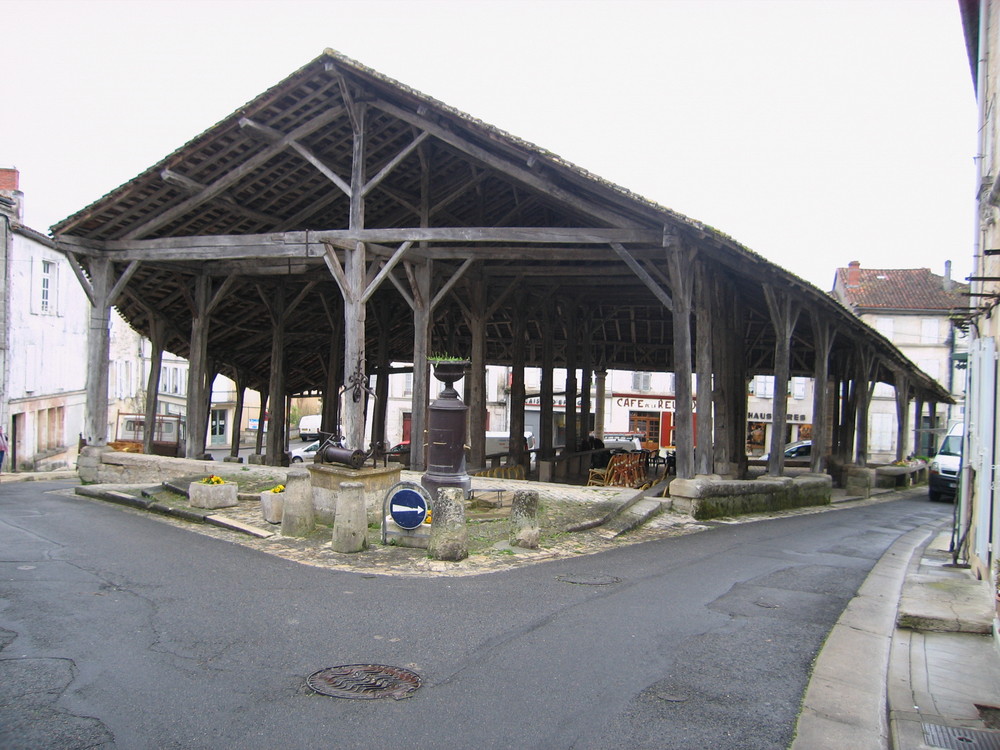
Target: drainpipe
[(964, 507)]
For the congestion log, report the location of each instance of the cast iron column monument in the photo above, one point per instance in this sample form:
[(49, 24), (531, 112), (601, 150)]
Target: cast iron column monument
[(446, 434)]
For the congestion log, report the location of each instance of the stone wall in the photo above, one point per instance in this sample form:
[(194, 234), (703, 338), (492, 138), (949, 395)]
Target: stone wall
[(712, 496), (102, 465)]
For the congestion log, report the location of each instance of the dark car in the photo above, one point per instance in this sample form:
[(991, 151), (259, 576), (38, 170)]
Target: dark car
[(399, 453), (798, 449)]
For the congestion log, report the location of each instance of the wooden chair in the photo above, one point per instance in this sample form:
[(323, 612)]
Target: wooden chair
[(603, 477)]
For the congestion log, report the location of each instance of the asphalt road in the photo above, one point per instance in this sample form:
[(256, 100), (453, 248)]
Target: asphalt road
[(120, 631)]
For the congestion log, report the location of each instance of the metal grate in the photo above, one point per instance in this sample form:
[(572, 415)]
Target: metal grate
[(364, 681), (959, 738)]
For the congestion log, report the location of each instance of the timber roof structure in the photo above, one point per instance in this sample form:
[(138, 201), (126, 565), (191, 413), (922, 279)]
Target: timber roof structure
[(261, 202)]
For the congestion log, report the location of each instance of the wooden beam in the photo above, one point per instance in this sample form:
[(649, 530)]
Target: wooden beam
[(385, 271), (450, 283), (384, 172), (233, 176), (643, 275)]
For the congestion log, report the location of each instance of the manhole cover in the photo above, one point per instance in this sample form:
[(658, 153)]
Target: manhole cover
[(957, 738), (365, 681), (595, 580)]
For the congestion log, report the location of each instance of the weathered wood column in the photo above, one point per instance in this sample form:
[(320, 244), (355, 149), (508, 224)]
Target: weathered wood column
[(330, 419), (823, 343), (729, 399), (918, 413), (241, 388), (98, 348), (197, 411), (381, 379), (902, 413), (572, 436), (547, 395), (420, 285), (355, 269), (863, 393), (261, 421), (680, 263), (157, 332), (518, 455), (784, 316), (275, 451), (476, 315), (600, 395), (704, 456), (586, 376)]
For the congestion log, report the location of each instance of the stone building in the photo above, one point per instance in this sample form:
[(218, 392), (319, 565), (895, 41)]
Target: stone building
[(916, 310)]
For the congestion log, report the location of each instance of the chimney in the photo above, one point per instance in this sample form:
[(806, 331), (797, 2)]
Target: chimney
[(11, 198), (948, 283), (854, 274)]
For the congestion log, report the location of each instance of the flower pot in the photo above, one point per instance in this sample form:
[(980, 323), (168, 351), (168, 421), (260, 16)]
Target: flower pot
[(213, 495), (272, 505)]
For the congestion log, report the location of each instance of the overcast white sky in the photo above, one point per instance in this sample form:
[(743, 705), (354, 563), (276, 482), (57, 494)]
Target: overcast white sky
[(813, 132)]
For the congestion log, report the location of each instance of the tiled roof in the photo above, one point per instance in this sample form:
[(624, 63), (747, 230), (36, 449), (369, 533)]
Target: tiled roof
[(900, 289)]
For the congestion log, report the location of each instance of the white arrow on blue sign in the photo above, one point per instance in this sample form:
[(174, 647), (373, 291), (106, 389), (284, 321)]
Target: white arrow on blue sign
[(408, 508)]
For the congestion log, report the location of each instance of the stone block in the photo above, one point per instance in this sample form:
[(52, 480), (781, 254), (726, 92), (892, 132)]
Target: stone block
[(213, 495), (350, 527), (298, 518), (449, 534), (524, 529), (272, 505)]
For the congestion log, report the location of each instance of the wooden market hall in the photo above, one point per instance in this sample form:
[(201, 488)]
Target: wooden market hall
[(342, 221)]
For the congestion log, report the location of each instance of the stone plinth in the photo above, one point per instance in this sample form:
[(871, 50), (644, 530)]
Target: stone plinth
[(449, 534), (524, 529), (711, 496), (297, 517), (213, 495), (272, 505), (350, 528), (327, 478)]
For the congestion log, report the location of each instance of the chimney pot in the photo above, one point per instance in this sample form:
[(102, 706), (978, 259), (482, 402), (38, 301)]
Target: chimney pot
[(854, 274)]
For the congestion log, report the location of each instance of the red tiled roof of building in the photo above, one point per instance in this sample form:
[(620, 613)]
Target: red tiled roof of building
[(898, 289)]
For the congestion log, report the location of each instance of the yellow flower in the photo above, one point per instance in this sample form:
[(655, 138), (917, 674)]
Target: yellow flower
[(213, 479), (278, 488)]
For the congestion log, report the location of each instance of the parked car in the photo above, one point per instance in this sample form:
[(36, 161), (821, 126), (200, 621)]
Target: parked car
[(308, 453), (399, 453), (309, 426), (798, 449), (943, 470)]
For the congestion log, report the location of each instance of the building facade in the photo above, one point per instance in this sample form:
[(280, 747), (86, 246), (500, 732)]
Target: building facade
[(43, 343), (917, 311)]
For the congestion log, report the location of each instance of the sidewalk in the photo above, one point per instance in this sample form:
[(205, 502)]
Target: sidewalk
[(911, 659)]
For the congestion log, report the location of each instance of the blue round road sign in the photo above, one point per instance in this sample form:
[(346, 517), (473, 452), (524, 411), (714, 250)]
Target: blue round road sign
[(408, 505)]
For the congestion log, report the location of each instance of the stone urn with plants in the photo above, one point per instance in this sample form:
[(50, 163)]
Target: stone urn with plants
[(213, 492), (272, 503)]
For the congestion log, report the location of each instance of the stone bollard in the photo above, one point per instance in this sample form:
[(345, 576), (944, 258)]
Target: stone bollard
[(350, 524), (524, 531), (297, 516), (449, 535)]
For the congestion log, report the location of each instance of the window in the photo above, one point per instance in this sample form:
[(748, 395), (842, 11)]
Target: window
[(763, 386), (408, 384), (641, 381), (929, 331), (798, 387)]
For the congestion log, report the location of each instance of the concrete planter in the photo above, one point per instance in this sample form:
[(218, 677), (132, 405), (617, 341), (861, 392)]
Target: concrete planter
[(272, 505), (212, 495)]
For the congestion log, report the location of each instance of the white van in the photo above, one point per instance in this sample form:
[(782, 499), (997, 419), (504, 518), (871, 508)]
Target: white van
[(943, 470), (499, 442), (309, 426)]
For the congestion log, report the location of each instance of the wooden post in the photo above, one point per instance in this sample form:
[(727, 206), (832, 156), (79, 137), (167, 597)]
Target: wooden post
[(784, 316), (704, 445), (918, 413), (600, 395), (420, 282), (823, 342), (355, 270), (197, 410), (276, 382), (572, 436), (902, 413), (476, 320), (157, 331), (381, 379), (729, 397), (863, 394), (586, 374), (680, 263), (261, 421), (518, 456), (545, 436), (241, 387), (98, 348)]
